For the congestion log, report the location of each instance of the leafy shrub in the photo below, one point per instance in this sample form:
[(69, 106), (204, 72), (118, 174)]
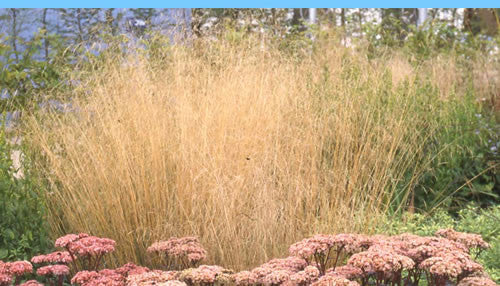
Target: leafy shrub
[(22, 228), (485, 222), (462, 156)]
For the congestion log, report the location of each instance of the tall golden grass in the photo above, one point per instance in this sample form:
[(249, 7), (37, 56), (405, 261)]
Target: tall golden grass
[(239, 144)]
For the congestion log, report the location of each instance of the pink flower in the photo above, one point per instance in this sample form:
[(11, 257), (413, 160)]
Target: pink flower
[(245, 278), (54, 257), (130, 269), (306, 276), (108, 277), (31, 283), (380, 260), (451, 264), (277, 277), (91, 245), (476, 281), (55, 270), (84, 276), (333, 280), (347, 271), (290, 264), (5, 279), (65, 240), (18, 268), (151, 278), (470, 240), (180, 248)]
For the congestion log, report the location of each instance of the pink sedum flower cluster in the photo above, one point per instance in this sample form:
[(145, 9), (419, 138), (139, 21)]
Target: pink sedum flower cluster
[(54, 257), (105, 277), (380, 261), (470, 240), (205, 274), (371, 260), (476, 281), (16, 268), (13, 271), (5, 279), (347, 271), (53, 270), (321, 248), (184, 249), (31, 283), (451, 264), (334, 280), (152, 278), (279, 269), (305, 277), (244, 278)]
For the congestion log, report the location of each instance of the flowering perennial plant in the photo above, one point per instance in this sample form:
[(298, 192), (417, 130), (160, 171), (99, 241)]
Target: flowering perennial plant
[(334, 280), (470, 240), (371, 260), (206, 275), (278, 269), (245, 278), (104, 277), (304, 277), (56, 272), (156, 277), (476, 281), (323, 248), (446, 266), (384, 265), (31, 283), (55, 257), (180, 253), (14, 271), (89, 248), (347, 271)]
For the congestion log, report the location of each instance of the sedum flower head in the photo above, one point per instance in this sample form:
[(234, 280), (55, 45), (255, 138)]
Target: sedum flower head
[(53, 270)]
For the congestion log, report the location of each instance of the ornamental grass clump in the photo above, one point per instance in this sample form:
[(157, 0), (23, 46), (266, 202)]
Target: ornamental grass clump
[(179, 253)]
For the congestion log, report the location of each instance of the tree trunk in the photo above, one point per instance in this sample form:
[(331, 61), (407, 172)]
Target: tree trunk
[(45, 34), (14, 32), (468, 14), (79, 24)]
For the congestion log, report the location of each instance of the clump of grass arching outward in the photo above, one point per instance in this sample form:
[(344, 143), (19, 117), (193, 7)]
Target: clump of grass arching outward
[(241, 146)]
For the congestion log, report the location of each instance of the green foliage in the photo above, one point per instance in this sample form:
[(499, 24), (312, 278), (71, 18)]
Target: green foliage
[(462, 159), (432, 39), (471, 219), (23, 232), (24, 77)]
